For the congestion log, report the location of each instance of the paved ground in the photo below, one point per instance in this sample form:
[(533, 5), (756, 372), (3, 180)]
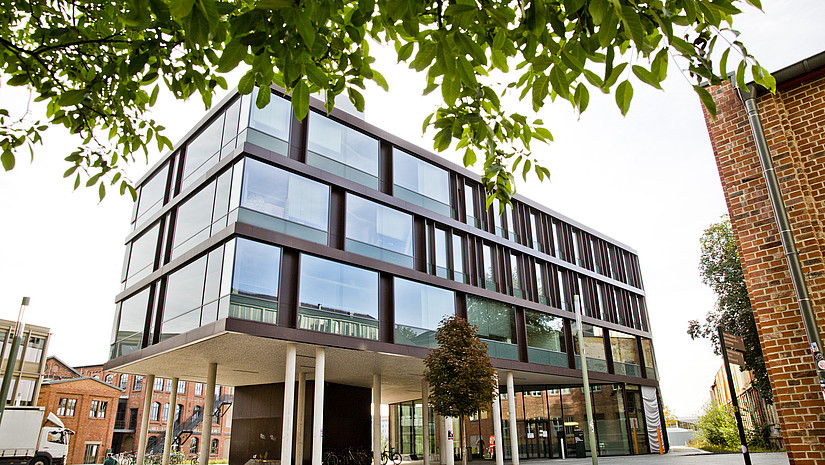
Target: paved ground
[(677, 456)]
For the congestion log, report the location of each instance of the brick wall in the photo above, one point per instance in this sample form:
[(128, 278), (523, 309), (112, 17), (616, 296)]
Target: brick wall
[(794, 121)]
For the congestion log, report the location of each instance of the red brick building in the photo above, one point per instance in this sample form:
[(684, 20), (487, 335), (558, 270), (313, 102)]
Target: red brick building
[(127, 409), (86, 406), (794, 126)]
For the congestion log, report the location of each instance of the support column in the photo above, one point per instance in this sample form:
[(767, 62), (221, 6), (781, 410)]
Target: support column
[(511, 409), (318, 407), (425, 417), (170, 422), (289, 404), (301, 413), (144, 418), (499, 447), (450, 447), (376, 418), (442, 439), (208, 411)]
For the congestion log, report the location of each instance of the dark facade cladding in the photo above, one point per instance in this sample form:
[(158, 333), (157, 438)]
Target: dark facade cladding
[(260, 230)]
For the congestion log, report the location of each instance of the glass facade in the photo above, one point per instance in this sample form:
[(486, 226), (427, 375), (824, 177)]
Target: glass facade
[(418, 310), (625, 354), (337, 298), (341, 150), (420, 183), (496, 324), (545, 339), (378, 231), (593, 345), (130, 324), (141, 255), (269, 126), (255, 281)]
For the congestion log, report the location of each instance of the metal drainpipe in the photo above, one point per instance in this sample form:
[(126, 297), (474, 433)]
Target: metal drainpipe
[(748, 97)]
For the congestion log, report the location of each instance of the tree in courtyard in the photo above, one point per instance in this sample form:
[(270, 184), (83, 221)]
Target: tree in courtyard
[(721, 269), (461, 378), (671, 420), (98, 66)]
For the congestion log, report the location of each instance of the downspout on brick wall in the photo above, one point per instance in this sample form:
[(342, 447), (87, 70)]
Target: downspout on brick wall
[(748, 97)]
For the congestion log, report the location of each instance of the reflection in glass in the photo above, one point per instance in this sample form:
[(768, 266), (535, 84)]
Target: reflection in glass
[(193, 221), (269, 126), (130, 323), (184, 297), (488, 270), (458, 259), (647, 352), (421, 183), (378, 231), (515, 276), (337, 298), (540, 289), (545, 339), (593, 345), (202, 152), (151, 194), (496, 326), (289, 203), (142, 255), (625, 354), (255, 281), (418, 310), (340, 150)]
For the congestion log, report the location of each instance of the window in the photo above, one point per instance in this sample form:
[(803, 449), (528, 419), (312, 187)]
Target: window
[(65, 407), (198, 389), (90, 454), (193, 220), (541, 291), (98, 409), (34, 349), (184, 297), (131, 321), (151, 194), (213, 449), (168, 385), (255, 281), (269, 127), (489, 276), (124, 381), (196, 411), (557, 242), (158, 384), (498, 220), (141, 255), (138, 383), (458, 259), (439, 245), (535, 233), (625, 354), (647, 352), (496, 326), (284, 202), (181, 387), (343, 151), (563, 304), (165, 412), (154, 413), (576, 254), (204, 150), (378, 231), (420, 182), (545, 339), (193, 446), (418, 310), (470, 206), (593, 345), (515, 276), (337, 298), (178, 410), (110, 378), (511, 223)]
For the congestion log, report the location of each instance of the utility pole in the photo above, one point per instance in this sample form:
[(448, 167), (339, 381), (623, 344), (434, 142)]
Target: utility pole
[(15, 346), (591, 433)]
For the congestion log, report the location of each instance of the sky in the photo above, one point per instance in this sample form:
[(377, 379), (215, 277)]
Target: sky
[(648, 180)]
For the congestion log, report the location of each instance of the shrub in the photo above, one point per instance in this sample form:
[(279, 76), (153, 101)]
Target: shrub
[(718, 428)]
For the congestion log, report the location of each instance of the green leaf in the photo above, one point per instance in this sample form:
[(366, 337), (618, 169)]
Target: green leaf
[(263, 98), (707, 100), (558, 80), (424, 57), (624, 94), (646, 76), (247, 83), (469, 157), (101, 191), (232, 55), (356, 98), (316, 75), (405, 51), (598, 9), (18, 80), (582, 97), (723, 62), (181, 8), (442, 139), (274, 4), (72, 97), (305, 28), (300, 100), (740, 75), (7, 158), (540, 90), (544, 133), (379, 79)]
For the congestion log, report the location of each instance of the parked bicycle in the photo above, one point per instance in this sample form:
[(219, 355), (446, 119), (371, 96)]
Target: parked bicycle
[(390, 455)]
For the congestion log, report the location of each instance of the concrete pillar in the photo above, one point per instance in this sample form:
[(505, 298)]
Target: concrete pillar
[(376, 418), (450, 444), (208, 410), (425, 417), (318, 407), (300, 414), (511, 409), (499, 447), (148, 385), (289, 404), (170, 422), (442, 439)]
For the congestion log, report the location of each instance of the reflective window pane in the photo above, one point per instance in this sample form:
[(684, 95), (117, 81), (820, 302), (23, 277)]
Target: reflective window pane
[(202, 152), (378, 231), (269, 126), (184, 297), (625, 354), (489, 278), (594, 346), (337, 298), (151, 194), (193, 221), (441, 253), (458, 259), (255, 281), (142, 255), (647, 351), (545, 338), (418, 310), (341, 150), (515, 276), (420, 183), (496, 326), (128, 334), (284, 202)]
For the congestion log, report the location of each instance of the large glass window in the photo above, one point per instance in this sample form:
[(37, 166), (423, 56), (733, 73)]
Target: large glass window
[(142, 255), (470, 206), (496, 324), (378, 231), (421, 183), (340, 150), (488, 267), (284, 202), (269, 126), (647, 351), (337, 298), (418, 310), (439, 244), (184, 297), (255, 281), (541, 290), (625, 354), (458, 259), (34, 349), (535, 232), (151, 194), (593, 345), (515, 276), (130, 323), (203, 151), (545, 339), (563, 302), (576, 253), (511, 223), (193, 220)]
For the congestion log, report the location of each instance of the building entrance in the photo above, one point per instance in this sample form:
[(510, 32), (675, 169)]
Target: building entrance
[(539, 439)]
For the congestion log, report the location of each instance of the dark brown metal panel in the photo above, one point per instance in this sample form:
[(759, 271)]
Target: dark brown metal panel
[(568, 341), (386, 301), (288, 288), (337, 218), (461, 304), (385, 167), (298, 131), (159, 300), (420, 244), (608, 351), (521, 334)]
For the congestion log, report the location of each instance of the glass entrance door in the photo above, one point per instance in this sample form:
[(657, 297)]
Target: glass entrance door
[(539, 437)]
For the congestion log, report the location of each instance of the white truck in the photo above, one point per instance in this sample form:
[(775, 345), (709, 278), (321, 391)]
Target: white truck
[(26, 438)]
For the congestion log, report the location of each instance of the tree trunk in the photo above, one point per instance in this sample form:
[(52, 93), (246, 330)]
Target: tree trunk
[(463, 440)]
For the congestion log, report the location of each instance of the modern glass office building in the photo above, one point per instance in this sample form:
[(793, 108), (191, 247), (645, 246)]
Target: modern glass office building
[(268, 253)]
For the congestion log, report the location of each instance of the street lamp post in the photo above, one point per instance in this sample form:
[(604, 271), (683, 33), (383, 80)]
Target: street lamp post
[(15, 346)]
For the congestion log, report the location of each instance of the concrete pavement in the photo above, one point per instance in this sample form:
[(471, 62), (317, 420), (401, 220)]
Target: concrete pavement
[(678, 455)]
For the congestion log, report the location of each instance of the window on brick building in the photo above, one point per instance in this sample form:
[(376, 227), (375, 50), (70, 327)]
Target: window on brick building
[(138, 382), (213, 449), (98, 409), (166, 411), (124, 381), (158, 384), (154, 413), (90, 454), (181, 387), (198, 389), (193, 446), (65, 407), (168, 385), (110, 378)]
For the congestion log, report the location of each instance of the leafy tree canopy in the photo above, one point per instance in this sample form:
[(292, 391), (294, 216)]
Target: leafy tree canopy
[(721, 269), (462, 380), (99, 65)]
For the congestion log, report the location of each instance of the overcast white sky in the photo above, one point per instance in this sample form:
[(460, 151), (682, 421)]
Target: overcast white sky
[(648, 180)]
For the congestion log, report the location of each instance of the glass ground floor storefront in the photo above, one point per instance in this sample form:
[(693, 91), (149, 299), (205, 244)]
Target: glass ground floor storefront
[(548, 419)]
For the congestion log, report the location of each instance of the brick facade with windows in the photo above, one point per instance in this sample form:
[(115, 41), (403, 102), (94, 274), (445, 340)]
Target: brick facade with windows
[(794, 126)]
